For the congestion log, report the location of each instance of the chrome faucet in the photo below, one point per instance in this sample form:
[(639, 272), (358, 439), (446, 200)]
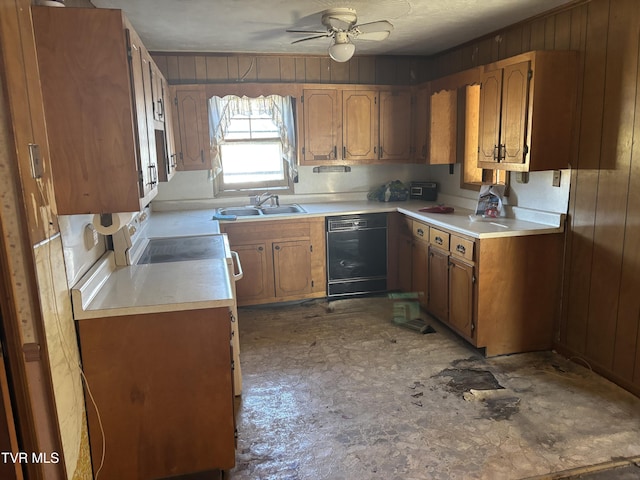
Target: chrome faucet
[(263, 197)]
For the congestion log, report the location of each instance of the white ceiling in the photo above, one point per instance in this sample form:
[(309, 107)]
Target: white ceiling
[(421, 27)]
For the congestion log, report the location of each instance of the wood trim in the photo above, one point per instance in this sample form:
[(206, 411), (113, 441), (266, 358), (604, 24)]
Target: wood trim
[(215, 67)]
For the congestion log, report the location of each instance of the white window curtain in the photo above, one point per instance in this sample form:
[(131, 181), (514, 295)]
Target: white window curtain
[(279, 108)]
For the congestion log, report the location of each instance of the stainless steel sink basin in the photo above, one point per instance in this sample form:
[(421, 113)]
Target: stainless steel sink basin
[(239, 211), (293, 208), (250, 211)]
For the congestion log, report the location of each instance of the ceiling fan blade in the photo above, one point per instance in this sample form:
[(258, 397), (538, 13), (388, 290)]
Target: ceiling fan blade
[(376, 36), (311, 38), (306, 31), (379, 26)]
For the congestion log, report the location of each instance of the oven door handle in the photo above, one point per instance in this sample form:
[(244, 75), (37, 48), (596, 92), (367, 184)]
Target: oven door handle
[(240, 274)]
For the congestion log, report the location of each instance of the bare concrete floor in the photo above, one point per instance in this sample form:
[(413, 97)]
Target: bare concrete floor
[(337, 391)]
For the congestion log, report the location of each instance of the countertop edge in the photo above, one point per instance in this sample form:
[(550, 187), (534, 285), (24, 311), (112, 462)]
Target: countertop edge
[(144, 309)]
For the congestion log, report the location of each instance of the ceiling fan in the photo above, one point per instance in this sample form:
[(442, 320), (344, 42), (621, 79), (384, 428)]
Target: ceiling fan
[(340, 24)]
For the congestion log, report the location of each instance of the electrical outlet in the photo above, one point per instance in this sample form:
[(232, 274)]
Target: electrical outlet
[(36, 160), (556, 178)]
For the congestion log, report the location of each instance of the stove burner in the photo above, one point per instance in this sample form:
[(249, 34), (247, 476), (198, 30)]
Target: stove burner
[(180, 249)]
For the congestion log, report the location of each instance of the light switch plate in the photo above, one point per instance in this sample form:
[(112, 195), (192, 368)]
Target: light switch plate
[(36, 160)]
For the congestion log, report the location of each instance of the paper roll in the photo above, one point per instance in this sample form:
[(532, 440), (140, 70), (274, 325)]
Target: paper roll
[(110, 223)]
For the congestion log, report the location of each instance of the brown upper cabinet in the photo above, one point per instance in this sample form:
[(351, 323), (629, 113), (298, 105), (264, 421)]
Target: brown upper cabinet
[(98, 110), (191, 123), (360, 126), (395, 125), (168, 156), (322, 125), (443, 127), (527, 106), (356, 125), (421, 123)]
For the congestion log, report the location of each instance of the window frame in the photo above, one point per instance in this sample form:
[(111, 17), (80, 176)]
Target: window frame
[(283, 186)]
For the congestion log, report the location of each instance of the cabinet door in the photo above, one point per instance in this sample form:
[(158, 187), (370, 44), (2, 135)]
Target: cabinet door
[(257, 282), (395, 125), (405, 263), (141, 79), (360, 125), (90, 101), (157, 103), (421, 117), (167, 168), (489, 130), (438, 302), (515, 98), (461, 297), (193, 130), (292, 268), (420, 270), (443, 128), (322, 126)]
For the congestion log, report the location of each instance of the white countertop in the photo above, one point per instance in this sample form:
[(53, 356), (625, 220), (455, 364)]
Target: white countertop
[(108, 290), (523, 222), (183, 223)]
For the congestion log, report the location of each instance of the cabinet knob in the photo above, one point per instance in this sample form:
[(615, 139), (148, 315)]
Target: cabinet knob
[(439, 240), (461, 249), (420, 232), (277, 247), (260, 249)]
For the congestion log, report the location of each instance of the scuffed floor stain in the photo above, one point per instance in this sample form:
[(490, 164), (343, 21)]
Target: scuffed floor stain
[(465, 379), (328, 396), (501, 408)]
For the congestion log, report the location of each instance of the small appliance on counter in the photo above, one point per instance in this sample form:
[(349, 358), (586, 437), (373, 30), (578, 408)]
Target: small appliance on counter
[(427, 191)]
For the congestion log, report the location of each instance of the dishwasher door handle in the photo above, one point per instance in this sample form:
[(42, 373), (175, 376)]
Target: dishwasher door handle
[(240, 274)]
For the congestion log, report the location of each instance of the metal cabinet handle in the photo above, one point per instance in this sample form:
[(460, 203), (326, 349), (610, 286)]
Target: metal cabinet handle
[(202, 155), (260, 249), (420, 232), (502, 153), (240, 274), (335, 152), (277, 247), (439, 240), (461, 249), (496, 153), (153, 173)]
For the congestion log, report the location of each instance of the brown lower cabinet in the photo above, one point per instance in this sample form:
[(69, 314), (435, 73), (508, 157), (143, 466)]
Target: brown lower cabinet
[(282, 260), (162, 385), (501, 294)]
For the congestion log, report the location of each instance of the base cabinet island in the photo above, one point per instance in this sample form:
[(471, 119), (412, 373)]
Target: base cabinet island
[(499, 291), (163, 386)]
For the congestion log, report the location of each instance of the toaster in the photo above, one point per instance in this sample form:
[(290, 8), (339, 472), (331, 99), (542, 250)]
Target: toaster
[(427, 191)]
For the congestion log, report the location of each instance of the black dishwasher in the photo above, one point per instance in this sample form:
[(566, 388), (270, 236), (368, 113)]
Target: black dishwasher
[(356, 254)]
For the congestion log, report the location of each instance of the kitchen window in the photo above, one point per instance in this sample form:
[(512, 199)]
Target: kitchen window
[(252, 143)]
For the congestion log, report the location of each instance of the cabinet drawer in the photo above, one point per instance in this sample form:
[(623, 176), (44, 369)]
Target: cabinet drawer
[(462, 247), (420, 231), (439, 238)]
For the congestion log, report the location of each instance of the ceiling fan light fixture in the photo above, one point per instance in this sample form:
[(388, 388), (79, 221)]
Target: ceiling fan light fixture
[(342, 49)]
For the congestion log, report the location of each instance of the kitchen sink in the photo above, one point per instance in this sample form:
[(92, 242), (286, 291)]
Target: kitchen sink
[(239, 211), (250, 211), (293, 208)]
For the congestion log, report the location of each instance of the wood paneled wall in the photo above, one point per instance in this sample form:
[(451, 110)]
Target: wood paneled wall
[(600, 321), (185, 68)]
